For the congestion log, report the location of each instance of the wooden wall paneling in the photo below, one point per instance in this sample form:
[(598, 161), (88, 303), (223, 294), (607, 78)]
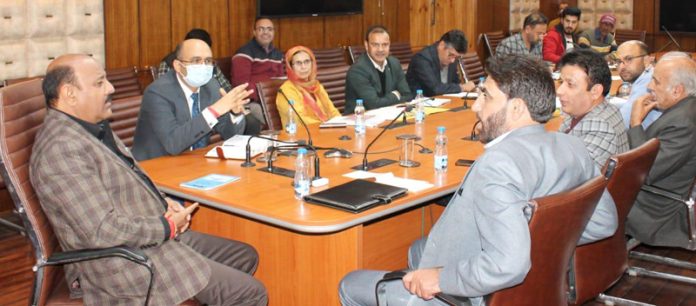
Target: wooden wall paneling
[(342, 31), (420, 28), (306, 31), (449, 15), (242, 14), (390, 17), (121, 33), (155, 31), (210, 15), (403, 28), (499, 19)]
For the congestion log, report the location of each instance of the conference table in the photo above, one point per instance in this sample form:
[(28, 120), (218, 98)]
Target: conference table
[(306, 249)]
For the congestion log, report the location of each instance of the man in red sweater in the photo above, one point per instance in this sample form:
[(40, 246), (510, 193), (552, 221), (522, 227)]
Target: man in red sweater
[(561, 38)]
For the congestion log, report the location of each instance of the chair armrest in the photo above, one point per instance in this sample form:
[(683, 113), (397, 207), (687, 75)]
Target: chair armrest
[(135, 255), (663, 193), (399, 274)]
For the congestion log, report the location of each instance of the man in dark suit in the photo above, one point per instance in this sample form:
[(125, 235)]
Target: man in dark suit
[(434, 70), (95, 196), (654, 219), (376, 77), (182, 108)]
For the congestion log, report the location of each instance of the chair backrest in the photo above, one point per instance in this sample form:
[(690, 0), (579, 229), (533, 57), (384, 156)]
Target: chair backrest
[(355, 51), (9, 82), (334, 82), (22, 111), (125, 82), (622, 36), (402, 51), (330, 57), (125, 117), (598, 265), (225, 64), (267, 91), (473, 67), (492, 40), (557, 222)]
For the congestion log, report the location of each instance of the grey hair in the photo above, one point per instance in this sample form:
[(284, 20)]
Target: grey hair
[(682, 74)]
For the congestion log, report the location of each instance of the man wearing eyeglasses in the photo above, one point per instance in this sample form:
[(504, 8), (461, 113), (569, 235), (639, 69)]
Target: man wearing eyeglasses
[(258, 60), (376, 77), (434, 70), (635, 66), (181, 109)]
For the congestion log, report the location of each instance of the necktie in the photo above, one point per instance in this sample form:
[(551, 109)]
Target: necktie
[(195, 111)]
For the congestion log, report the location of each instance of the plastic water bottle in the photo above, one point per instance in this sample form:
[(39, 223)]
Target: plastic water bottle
[(359, 117), (420, 108), (301, 183), (624, 90), (440, 150), (291, 125)]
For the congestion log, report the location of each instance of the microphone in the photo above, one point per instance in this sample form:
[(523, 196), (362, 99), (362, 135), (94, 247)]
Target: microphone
[(247, 160), (407, 109), (473, 136), (309, 136), (671, 41), (381, 162)]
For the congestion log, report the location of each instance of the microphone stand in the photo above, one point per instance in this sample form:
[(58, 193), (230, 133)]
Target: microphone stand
[(309, 136), (473, 136), (381, 162)]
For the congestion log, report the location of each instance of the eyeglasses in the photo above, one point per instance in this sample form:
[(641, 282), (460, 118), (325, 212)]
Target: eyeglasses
[(306, 62), (628, 59), (199, 61), (265, 29), (452, 54)]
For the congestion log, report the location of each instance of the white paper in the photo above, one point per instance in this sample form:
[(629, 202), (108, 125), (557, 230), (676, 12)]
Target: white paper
[(235, 147), (468, 95), (617, 101), (435, 102), (616, 78), (388, 178)]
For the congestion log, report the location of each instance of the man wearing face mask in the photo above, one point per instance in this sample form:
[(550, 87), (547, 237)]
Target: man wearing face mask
[(181, 109)]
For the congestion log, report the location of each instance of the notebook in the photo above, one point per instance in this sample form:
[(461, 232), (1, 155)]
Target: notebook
[(209, 181), (356, 196)]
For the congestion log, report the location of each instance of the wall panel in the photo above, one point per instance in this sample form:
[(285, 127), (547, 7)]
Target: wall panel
[(121, 33), (341, 31), (155, 31), (306, 31), (210, 15)]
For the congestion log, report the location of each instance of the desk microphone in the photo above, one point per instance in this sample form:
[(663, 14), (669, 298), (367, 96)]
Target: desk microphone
[(247, 160), (473, 136), (381, 162), (309, 136), (671, 41)]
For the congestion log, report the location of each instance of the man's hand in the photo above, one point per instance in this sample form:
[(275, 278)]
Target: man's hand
[(232, 101), (468, 86), (641, 107), (181, 216), (425, 283)]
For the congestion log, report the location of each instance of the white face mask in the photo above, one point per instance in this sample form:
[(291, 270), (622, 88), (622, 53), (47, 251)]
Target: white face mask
[(198, 75)]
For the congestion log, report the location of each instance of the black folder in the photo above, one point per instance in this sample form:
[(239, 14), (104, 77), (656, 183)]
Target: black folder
[(356, 196)]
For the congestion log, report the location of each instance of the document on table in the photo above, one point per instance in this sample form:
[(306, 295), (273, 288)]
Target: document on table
[(463, 95), (389, 179), (235, 147)]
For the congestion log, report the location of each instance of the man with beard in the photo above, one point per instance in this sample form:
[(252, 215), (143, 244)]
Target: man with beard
[(585, 82), (635, 66), (600, 38), (561, 6), (658, 220), (528, 41), (377, 77), (481, 243), (561, 38)]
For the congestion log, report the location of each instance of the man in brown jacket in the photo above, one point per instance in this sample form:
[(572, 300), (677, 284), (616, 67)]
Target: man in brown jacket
[(96, 196)]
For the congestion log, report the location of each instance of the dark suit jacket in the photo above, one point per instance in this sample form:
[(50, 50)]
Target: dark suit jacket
[(653, 219), (94, 200), (363, 82), (424, 73), (165, 126)]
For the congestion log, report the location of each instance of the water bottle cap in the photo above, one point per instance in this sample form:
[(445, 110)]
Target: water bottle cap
[(291, 102), (359, 101), (301, 151), (419, 91), (440, 129)]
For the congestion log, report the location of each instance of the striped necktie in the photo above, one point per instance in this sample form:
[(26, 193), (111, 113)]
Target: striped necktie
[(195, 111)]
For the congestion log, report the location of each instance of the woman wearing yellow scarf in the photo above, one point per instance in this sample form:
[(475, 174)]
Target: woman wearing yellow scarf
[(310, 99)]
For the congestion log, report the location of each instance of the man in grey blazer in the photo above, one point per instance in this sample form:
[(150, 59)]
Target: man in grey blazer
[(96, 196), (585, 82), (376, 77), (481, 243), (181, 109), (654, 219)]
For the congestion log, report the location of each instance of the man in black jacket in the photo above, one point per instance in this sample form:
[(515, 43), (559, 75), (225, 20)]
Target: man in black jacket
[(376, 77), (434, 70)]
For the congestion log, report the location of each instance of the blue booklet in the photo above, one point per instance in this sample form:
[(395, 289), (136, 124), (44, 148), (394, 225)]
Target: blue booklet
[(209, 181)]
